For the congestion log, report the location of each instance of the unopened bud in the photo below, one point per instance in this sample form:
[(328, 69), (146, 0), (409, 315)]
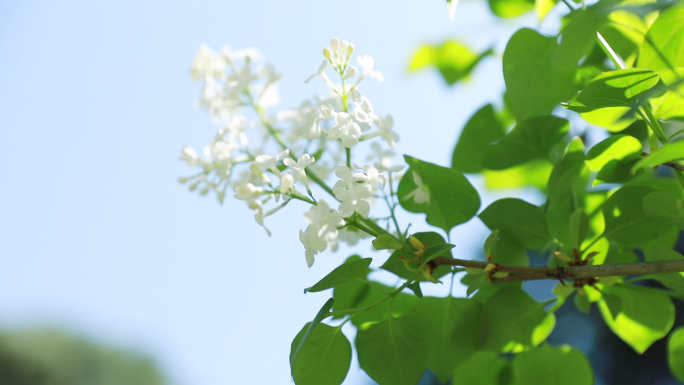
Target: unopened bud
[(327, 54), (183, 180), (193, 186), (490, 267), (335, 44), (350, 72), (416, 243), (204, 191)]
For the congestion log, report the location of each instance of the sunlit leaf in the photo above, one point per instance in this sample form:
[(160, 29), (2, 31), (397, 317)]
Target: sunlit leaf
[(614, 148), (623, 309), (675, 353), (510, 8), (453, 60), (547, 365), (669, 152), (619, 88), (667, 32)]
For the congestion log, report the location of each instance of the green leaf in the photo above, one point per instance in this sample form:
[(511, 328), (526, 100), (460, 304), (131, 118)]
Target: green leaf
[(344, 273), (453, 200), (639, 316), (376, 299), (507, 251), (320, 316), (614, 148), (454, 61), (482, 128), (579, 226), (665, 206), (510, 8), (547, 365), (535, 80), (454, 328), (396, 265), (675, 353), (518, 219), (510, 317), (533, 138), (619, 88), (671, 103), (613, 119), (350, 296), (482, 368), (669, 152), (566, 187), (543, 7), (582, 303), (395, 351), (627, 222), (324, 359), (533, 173), (667, 32)]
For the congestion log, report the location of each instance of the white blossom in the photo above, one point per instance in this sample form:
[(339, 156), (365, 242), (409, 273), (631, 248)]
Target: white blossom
[(345, 129), (247, 191), (299, 167), (207, 64), (386, 132), (322, 230)]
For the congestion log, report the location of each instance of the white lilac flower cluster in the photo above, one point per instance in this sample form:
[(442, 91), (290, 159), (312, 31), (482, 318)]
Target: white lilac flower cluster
[(234, 87)]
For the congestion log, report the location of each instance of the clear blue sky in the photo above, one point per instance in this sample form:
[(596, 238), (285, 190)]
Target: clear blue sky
[(97, 236)]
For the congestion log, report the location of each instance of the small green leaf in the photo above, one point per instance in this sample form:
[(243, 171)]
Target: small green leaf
[(452, 199), (454, 327), (669, 152), (387, 242), (543, 7), (675, 353), (667, 31), (482, 128), (535, 80), (344, 273), (415, 288), (547, 365), (627, 222), (453, 60), (482, 368), (518, 219), (617, 147), (579, 226), (395, 351), (624, 310), (324, 359), (582, 303), (533, 138)]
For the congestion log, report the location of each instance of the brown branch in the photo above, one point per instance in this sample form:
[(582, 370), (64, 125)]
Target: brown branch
[(530, 273), (675, 165)]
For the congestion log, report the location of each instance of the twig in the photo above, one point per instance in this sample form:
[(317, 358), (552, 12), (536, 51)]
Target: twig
[(530, 273)]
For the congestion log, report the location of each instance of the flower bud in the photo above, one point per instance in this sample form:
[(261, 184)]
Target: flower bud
[(204, 191), (416, 243), (350, 72), (327, 54), (335, 44), (183, 180)]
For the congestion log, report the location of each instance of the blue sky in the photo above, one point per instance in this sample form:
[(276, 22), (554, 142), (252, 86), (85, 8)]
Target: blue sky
[(96, 234)]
